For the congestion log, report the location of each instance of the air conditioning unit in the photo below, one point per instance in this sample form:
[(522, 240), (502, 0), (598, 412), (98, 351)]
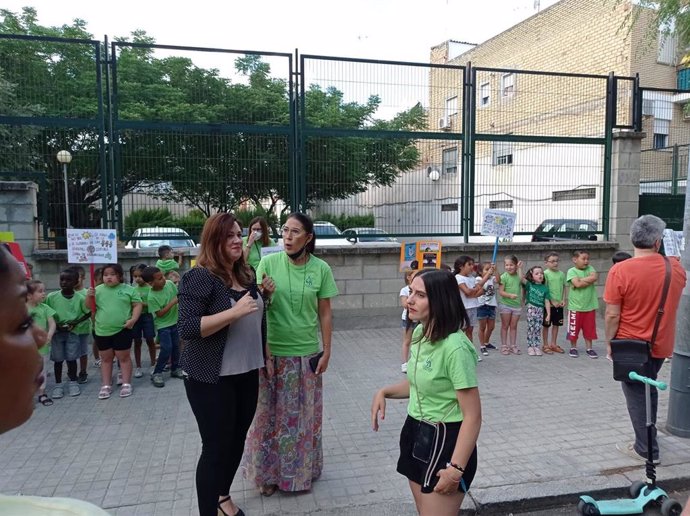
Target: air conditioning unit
[(444, 123)]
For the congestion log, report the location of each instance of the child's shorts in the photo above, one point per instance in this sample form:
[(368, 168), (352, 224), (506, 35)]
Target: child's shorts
[(472, 316), (84, 343), (556, 317), (143, 328), (65, 346), (585, 321), (121, 341), (486, 312), (505, 309)]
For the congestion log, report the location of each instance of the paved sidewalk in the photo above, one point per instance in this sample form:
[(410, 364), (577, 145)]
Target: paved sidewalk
[(550, 430)]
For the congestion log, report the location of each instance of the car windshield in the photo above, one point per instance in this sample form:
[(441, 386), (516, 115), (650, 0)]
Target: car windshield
[(325, 230), (373, 235)]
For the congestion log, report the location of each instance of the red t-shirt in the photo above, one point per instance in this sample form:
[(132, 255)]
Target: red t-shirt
[(636, 285)]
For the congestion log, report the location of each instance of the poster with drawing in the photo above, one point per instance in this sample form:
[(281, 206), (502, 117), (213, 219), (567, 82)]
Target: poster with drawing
[(498, 223), (420, 255), (91, 246), (408, 256)]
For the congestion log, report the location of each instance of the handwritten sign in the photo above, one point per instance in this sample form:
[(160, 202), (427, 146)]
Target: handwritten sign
[(91, 246), (498, 223), (674, 243)]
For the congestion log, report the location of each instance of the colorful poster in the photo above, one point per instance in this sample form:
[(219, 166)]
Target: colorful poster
[(498, 223), (420, 255), (91, 246)]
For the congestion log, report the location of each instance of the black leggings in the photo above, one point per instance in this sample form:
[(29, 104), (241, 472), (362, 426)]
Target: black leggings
[(224, 412)]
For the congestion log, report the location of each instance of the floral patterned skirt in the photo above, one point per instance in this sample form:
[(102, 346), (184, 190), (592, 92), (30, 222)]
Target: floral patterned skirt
[(283, 446)]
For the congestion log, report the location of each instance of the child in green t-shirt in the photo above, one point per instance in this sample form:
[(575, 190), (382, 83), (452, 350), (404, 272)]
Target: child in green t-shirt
[(582, 303), (555, 280), (83, 330), (167, 261), (144, 327), (538, 307), (163, 304), (42, 315), (70, 311), (510, 304)]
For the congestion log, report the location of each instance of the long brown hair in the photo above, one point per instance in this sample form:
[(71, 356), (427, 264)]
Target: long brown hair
[(212, 255), (265, 232)]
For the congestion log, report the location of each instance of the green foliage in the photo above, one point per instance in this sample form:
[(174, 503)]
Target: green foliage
[(148, 218), (667, 17), (192, 223), (344, 221)]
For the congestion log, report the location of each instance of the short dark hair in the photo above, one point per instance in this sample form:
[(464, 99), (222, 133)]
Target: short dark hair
[(578, 252), (620, 256), (80, 270), (529, 276), (550, 254), (148, 272), (512, 258), (447, 314), (162, 249), (71, 272), (460, 262), (117, 269)]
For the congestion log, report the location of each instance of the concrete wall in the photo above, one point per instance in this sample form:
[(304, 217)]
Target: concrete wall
[(18, 212), (368, 278)]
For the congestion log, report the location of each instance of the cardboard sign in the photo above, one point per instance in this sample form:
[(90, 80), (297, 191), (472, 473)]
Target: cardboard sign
[(498, 223), (91, 246), (420, 255), (674, 243), (16, 251)]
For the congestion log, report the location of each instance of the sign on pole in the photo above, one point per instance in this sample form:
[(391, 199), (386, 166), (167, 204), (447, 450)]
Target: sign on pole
[(91, 246), (500, 224)]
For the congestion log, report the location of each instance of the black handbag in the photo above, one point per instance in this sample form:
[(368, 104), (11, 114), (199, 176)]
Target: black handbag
[(636, 355)]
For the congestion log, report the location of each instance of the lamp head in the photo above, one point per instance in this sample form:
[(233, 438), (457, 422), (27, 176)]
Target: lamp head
[(64, 157), (434, 175)]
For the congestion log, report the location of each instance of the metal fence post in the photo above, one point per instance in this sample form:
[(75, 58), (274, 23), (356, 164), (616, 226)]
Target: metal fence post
[(675, 166), (608, 147), (467, 150)]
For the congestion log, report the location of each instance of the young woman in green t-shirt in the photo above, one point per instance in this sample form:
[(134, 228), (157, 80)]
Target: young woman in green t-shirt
[(442, 389)]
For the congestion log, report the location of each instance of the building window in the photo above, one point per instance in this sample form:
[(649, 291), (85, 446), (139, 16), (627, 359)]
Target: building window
[(450, 161), (449, 207), (501, 205), (508, 85), (574, 195), (452, 106), (502, 153), (667, 48), (484, 94), (660, 141)]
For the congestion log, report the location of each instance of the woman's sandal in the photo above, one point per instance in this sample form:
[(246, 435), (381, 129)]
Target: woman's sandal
[(44, 400), (547, 350), (105, 391), (221, 512), (268, 489), (126, 390)]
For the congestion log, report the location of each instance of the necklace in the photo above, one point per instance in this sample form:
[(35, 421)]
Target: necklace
[(304, 280)]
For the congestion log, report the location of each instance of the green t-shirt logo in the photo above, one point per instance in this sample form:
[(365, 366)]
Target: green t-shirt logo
[(309, 281), (427, 364)]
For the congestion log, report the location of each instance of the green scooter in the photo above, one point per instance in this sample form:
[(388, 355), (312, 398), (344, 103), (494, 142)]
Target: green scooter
[(641, 493)]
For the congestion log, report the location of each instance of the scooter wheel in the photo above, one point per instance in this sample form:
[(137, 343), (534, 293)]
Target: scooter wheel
[(636, 488), (671, 507), (587, 509)]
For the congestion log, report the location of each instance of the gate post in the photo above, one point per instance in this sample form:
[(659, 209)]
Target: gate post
[(625, 185)]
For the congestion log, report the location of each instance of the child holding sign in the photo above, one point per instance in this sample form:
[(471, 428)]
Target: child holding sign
[(510, 308)]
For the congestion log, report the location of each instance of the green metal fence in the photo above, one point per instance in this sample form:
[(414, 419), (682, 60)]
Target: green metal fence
[(165, 135)]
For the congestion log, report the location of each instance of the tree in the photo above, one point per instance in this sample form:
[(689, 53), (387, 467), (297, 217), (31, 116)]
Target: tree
[(173, 119), (668, 17)]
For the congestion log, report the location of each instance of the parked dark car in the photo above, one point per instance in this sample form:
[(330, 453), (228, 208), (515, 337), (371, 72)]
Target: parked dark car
[(565, 229)]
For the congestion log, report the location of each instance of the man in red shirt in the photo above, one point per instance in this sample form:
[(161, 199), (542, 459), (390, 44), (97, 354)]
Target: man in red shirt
[(632, 295)]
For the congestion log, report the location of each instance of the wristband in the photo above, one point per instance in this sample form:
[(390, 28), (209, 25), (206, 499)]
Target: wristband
[(452, 465)]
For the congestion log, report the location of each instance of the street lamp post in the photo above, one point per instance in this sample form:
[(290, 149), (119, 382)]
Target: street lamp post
[(65, 158)]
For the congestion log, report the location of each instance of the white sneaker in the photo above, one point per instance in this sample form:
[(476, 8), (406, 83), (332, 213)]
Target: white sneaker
[(97, 363), (119, 379), (138, 373), (479, 358), (403, 368)]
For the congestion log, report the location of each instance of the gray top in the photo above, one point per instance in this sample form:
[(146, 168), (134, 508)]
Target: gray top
[(243, 351)]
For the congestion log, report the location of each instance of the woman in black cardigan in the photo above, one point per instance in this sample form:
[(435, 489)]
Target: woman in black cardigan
[(223, 323)]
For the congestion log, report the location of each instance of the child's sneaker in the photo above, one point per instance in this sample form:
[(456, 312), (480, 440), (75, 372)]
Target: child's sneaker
[(157, 380), (479, 358), (484, 351), (138, 373), (490, 346), (403, 368), (58, 392), (119, 379), (537, 351), (530, 351), (591, 353), (573, 353), (83, 377), (97, 363), (177, 373), (73, 389)]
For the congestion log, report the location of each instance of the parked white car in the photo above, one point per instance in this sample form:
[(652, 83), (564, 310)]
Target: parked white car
[(156, 237), (328, 234)]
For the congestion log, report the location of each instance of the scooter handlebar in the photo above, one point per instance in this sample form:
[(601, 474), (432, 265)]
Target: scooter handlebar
[(654, 383)]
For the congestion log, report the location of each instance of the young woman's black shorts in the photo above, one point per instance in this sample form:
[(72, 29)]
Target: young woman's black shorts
[(415, 470), (121, 341)]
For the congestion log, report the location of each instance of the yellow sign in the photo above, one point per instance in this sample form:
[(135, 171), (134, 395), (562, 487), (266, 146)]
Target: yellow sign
[(6, 236)]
